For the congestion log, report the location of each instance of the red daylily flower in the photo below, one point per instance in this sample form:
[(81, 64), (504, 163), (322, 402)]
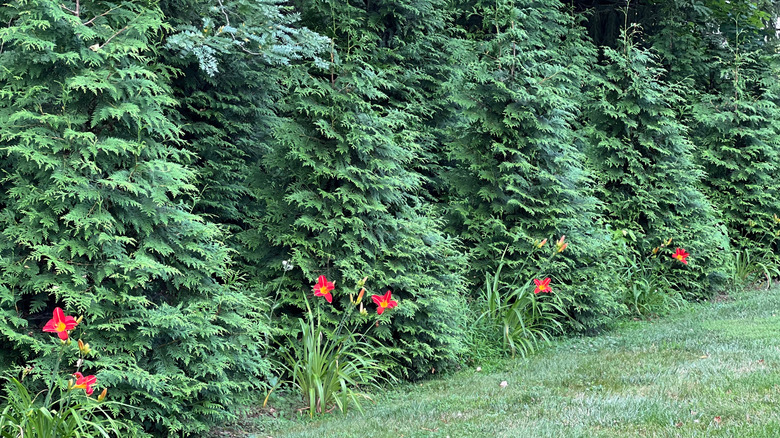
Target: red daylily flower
[(383, 302), (542, 285), (60, 324), (85, 383), (681, 255), (323, 288)]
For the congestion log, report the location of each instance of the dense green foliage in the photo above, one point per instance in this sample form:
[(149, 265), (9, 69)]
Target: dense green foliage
[(516, 170), (644, 165), (341, 193), (180, 173), (96, 215)]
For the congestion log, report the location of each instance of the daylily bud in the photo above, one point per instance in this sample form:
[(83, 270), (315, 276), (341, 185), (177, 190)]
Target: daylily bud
[(362, 310), (81, 318), (541, 244), (102, 395), (655, 250), (668, 242), (560, 245), (362, 282), (777, 219), (360, 296), (84, 348), (70, 384)]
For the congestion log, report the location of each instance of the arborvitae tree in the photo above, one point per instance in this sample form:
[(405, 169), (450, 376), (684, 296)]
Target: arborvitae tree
[(648, 182), (739, 133), (726, 52), (516, 174), (340, 191), (95, 212), (233, 60)]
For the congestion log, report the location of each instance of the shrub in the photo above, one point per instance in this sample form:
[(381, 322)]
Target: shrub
[(95, 213), (648, 182), (515, 172), (341, 194)]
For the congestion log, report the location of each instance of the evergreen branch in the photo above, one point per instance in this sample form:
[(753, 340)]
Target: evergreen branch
[(97, 47), (72, 11), (87, 23), (222, 9)]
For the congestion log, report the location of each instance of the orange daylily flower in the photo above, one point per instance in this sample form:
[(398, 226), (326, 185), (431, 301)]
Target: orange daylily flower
[(383, 302), (680, 254), (84, 383)]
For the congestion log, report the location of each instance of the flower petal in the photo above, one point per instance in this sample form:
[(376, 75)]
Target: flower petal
[(63, 335), (377, 299), (70, 323), (50, 326), (59, 315), (328, 297)]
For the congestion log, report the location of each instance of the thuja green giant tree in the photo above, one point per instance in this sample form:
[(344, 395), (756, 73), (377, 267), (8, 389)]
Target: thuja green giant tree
[(516, 172), (233, 59), (340, 190), (738, 125), (725, 53), (644, 166), (95, 212)]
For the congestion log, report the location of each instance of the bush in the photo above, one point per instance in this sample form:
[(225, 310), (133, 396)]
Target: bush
[(342, 196), (95, 212), (515, 172), (648, 182)]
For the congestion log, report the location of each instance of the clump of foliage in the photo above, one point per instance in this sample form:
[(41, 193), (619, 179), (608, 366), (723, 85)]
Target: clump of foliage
[(516, 172), (332, 367), (60, 410), (646, 175), (96, 214), (525, 316)]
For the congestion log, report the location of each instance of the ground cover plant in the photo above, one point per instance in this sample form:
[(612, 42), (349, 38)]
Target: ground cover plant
[(704, 370)]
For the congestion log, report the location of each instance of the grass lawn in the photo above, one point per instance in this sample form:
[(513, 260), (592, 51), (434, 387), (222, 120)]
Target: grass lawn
[(708, 370)]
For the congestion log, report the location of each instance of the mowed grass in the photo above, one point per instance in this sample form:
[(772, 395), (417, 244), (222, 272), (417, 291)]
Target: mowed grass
[(709, 370)]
